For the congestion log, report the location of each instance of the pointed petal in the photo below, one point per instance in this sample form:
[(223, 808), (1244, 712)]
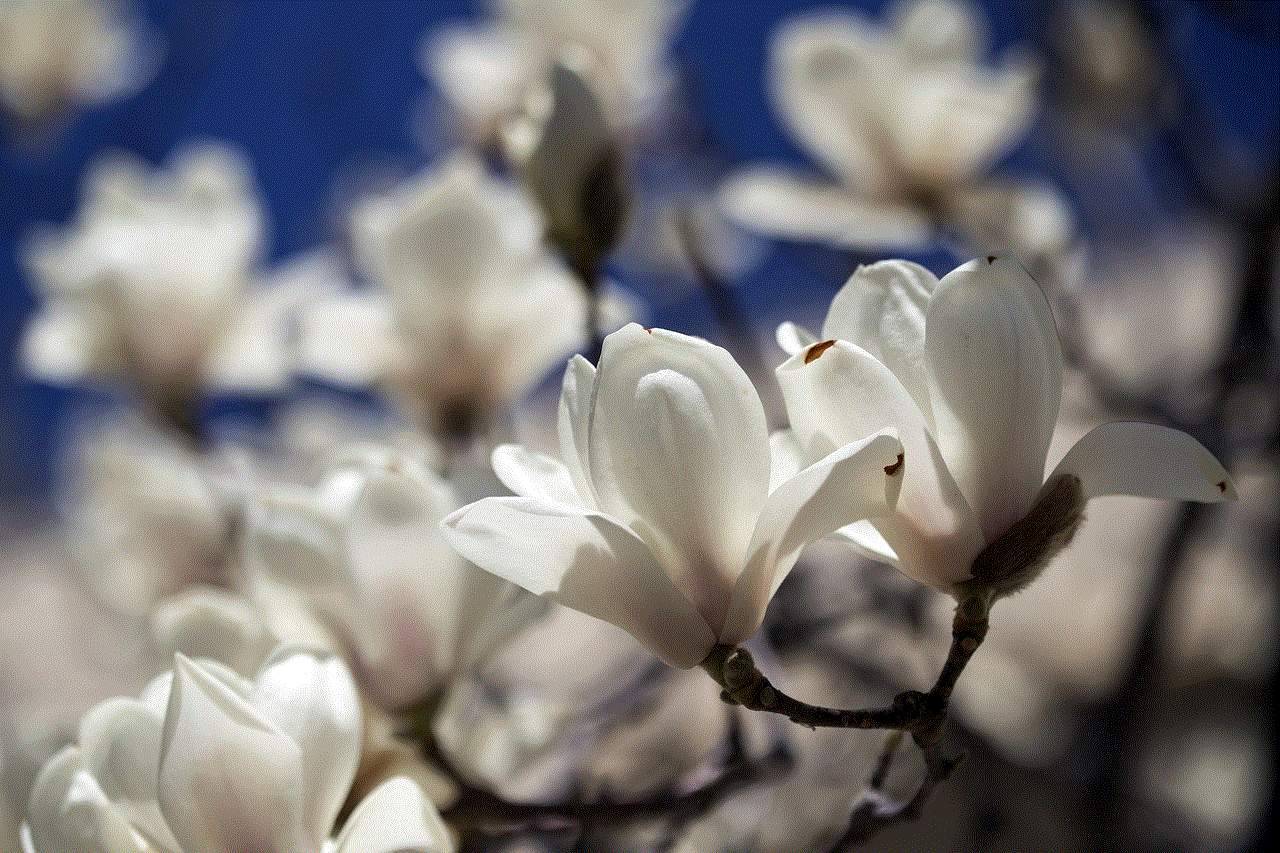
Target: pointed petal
[(395, 816), (533, 475), (573, 424), (882, 309), (69, 813), (792, 338), (837, 393), (585, 561), (772, 201), (229, 780), (997, 368), (858, 480), (313, 700), (1147, 461), (680, 453)]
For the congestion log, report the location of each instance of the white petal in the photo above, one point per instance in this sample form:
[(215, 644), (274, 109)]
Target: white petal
[(858, 480), (1145, 460), (823, 69), (772, 201), (120, 740), (837, 393), (395, 817), (585, 561), (62, 344), (997, 369), (953, 121), (229, 780), (349, 341), (939, 29), (69, 813), (314, 701), (787, 457), (533, 475), (882, 309), (296, 543), (212, 623), (792, 338), (680, 453), (480, 72), (573, 424)]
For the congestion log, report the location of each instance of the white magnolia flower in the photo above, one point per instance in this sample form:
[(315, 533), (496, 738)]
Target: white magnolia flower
[(485, 71), (662, 519), (359, 564), (468, 310), (208, 762), (147, 520), (154, 284), (52, 51), (902, 114), (969, 371)]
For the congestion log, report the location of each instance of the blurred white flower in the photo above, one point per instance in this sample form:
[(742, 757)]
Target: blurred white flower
[(661, 519), (146, 521), (359, 564), (154, 284), (207, 761), (54, 51), (485, 71), (903, 115), (467, 311), (969, 371)]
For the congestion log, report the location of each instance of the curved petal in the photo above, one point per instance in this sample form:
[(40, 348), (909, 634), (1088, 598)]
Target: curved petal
[(533, 475), (229, 780), (858, 480), (394, 817), (120, 741), (585, 561), (837, 393), (314, 701), (997, 369), (679, 452), (938, 30), (69, 813), (1147, 461), (573, 424), (770, 200), (63, 344), (822, 69), (792, 338), (958, 119), (787, 457), (296, 543), (882, 309)]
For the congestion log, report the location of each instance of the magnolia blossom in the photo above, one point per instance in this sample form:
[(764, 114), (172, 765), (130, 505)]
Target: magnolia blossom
[(146, 520), (485, 71), (467, 309), (53, 51), (969, 371), (904, 115), (152, 285), (359, 564), (664, 518), (207, 761)]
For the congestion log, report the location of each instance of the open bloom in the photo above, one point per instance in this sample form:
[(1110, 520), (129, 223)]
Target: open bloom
[(969, 371), (208, 762), (154, 284), (358, 563), (467, 310), (661, 519), (906, 116), (485, 71)]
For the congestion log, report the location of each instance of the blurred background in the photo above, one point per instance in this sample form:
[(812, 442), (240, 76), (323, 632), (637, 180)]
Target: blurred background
[(1123, 701)]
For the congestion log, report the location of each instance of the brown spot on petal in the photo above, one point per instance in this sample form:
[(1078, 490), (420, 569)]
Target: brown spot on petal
[(816, 350), (890, 470), (991, 259), (1222, 487)]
